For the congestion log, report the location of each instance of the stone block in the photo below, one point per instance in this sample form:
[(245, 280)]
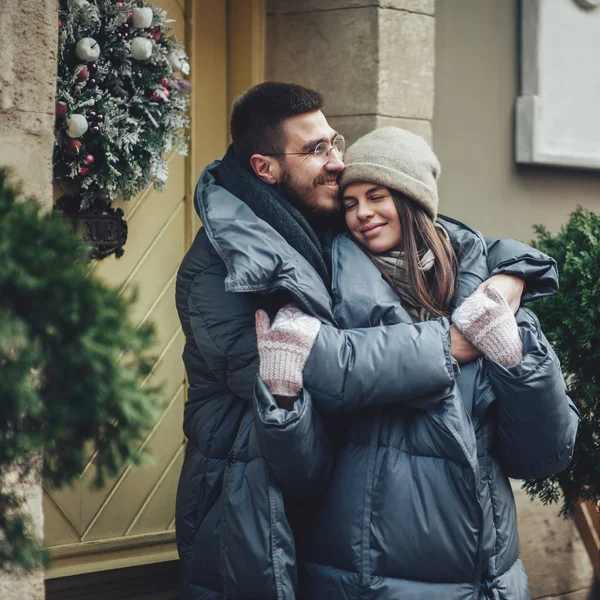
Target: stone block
[(406, 64), (15, 582), (420, 127), (26, 142), (552, 551), (354, 127), (333, 52), (20, 585), (426, 7), (28, 52)]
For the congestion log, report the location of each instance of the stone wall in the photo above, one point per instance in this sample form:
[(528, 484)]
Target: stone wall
[(28, 30), (28, 34), (373, 60)]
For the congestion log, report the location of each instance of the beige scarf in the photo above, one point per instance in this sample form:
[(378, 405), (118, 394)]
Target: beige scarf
[(393, 264)]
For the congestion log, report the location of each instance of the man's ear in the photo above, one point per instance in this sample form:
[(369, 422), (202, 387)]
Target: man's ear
[(265, 168)]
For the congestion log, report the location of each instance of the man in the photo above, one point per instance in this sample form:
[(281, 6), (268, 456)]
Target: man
[(263, 209)]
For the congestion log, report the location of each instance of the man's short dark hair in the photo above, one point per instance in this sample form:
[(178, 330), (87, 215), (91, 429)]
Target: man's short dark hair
[(258, 114)]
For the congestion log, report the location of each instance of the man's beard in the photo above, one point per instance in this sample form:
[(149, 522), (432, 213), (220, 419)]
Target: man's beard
[(305, 197)]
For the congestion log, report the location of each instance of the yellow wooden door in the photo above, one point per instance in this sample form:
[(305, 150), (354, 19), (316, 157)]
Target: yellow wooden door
[(131, 520)]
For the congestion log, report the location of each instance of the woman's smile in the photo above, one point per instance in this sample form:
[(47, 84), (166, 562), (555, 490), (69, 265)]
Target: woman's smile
[(372, 229)]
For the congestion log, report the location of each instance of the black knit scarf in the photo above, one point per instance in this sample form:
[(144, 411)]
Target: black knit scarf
[(270, 206)]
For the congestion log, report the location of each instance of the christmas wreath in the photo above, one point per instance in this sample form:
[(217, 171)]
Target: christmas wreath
[(121, 102)]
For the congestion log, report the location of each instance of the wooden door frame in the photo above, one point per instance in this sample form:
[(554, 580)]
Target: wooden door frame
[(226, 66)]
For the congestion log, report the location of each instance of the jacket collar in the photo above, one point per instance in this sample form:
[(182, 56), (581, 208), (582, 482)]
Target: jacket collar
[(270, 206), (258, 259)]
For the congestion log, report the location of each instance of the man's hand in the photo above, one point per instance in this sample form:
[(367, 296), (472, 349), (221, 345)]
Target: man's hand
[(511, 288), (461, 349)]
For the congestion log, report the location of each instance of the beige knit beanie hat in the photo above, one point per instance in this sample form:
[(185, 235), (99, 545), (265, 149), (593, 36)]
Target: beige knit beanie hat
[(397, 159)]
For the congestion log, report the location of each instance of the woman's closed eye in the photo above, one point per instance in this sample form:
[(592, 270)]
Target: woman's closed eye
[(349, 206)]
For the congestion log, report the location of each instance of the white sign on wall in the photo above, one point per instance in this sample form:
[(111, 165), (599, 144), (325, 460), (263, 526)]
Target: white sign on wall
[(558, 111)]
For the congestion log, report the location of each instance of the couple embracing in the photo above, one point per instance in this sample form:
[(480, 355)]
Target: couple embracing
[(363, 376)]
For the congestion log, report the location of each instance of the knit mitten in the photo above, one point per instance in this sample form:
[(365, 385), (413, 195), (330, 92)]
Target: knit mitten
[(284, 347), (487, 321)]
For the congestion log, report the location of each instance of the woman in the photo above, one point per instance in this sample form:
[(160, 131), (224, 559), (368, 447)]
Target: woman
[(419, 505)]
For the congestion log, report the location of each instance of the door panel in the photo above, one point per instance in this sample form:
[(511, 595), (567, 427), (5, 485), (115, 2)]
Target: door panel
[(57, 526), (145, 219), (137, 485)]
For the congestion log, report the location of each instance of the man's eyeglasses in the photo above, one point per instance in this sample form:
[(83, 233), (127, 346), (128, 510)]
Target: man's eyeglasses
[(321, 151)]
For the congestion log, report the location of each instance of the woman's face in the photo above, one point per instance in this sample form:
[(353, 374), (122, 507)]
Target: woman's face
[(371, 216)]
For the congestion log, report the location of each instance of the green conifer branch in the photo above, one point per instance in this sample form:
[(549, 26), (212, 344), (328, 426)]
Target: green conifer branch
[(571, 321), (72, 364)]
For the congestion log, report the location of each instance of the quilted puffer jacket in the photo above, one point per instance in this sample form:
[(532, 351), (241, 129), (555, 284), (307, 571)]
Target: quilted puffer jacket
[(420, 505), (245, 459)]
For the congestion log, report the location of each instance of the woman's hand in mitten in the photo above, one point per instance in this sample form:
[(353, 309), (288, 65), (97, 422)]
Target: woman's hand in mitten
[(284, 348), (487, 321)]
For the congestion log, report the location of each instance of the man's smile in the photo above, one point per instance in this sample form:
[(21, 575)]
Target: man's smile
[(330, 180)]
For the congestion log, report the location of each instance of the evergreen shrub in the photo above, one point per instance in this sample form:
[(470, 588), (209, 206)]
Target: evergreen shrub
[(571, 321), (72, 366)]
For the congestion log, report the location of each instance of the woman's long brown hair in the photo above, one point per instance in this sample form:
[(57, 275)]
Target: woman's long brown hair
[(435, 288)]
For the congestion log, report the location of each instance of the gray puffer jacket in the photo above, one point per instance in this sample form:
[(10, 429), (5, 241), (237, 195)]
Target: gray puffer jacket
[(243, 458), (419, 505)]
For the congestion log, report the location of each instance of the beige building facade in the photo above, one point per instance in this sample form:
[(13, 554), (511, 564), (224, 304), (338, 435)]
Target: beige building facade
[(477, 80), (476, 86), (447, 70)]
